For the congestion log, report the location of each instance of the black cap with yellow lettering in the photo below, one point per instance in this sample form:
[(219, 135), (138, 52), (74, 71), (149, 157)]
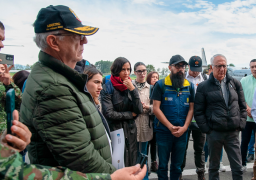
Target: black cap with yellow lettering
[(54, 18)]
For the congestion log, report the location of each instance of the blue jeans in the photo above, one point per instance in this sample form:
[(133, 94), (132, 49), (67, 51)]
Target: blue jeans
[(207, 153), (167, 143), (251, 143), (143, 148)]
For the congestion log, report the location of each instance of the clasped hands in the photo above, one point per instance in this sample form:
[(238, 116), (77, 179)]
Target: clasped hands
[(145, 106), (177, 131)]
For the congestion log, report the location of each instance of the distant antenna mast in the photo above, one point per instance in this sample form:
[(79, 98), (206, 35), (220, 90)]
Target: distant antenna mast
[(204, 58)]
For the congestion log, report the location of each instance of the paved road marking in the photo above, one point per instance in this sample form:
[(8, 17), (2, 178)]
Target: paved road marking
[(193, 171)]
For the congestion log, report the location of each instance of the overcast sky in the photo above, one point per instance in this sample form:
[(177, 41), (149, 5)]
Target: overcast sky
[(150, 31)]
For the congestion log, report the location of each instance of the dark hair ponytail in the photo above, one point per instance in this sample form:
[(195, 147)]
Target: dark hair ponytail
[(138, 64), (91, 71), (20, 77), (117, 66), (150, 76)]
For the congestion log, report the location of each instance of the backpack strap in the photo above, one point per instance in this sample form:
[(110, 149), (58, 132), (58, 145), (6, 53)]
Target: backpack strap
[(150, 90), (24, 85), (150, 93), (109, 87), (161, 84), (87, 63), (107, 78)]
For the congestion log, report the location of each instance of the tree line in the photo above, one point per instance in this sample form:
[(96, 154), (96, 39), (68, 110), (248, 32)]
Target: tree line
[(104, 67), (22, 67)]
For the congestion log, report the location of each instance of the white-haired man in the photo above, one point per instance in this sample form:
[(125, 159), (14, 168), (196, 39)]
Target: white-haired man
[(220, 111), (67, 130)]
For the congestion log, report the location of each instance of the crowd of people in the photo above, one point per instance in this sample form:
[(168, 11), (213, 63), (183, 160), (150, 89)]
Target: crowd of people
[(66, 111)]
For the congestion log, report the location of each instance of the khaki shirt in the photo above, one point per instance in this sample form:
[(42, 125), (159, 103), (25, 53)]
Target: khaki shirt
[(144, 132)]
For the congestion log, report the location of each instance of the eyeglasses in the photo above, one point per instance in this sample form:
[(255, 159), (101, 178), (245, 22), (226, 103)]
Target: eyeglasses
[(76, 35), (219, 66), (140, 72), (178, 66)]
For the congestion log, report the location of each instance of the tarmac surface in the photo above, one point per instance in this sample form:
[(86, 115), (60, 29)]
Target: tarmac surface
[(189, 172)]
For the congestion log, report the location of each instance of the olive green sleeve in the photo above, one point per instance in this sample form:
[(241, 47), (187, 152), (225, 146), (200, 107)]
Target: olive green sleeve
[(62, 126)]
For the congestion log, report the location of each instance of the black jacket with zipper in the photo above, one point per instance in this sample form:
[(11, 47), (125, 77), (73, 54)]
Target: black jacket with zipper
[(117, 107), (211, 111)]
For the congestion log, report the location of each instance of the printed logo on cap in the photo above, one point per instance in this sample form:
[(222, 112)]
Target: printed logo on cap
[(74, 14), (85, 28), (196, 62), (54, 26)]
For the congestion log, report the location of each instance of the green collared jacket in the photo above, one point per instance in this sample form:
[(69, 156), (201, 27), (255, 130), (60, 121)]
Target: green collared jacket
[(66, 127)]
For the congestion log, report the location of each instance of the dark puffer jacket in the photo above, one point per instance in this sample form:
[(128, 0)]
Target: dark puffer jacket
[(80, 65), (66, 128), (117, 107), (211, 111)]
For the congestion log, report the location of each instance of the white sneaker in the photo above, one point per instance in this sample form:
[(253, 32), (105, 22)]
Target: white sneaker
[(222, 167), (244, 168)]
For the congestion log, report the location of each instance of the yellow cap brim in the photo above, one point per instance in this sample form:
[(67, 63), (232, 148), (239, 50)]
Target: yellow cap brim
[(85, 30)]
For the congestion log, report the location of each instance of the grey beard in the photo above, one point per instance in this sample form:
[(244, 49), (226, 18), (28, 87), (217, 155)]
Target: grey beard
[(177, 80)]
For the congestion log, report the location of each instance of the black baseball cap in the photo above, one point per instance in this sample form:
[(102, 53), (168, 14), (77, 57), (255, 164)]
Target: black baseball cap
[(54, 18), (177, 59), (195, 64)]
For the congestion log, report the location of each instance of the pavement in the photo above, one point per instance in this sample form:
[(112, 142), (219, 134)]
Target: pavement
[(189, 172)]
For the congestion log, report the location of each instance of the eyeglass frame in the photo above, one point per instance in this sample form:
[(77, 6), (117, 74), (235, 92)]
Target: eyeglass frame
[(69, 34), (179, 66), (140, 72), (219, 66)]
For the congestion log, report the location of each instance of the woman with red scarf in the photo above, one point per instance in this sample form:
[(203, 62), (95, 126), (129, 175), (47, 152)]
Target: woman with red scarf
[(121, 105)]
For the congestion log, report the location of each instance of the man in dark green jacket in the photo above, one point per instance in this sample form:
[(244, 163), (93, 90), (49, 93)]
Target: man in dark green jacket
[(12, 166), (67, 130)]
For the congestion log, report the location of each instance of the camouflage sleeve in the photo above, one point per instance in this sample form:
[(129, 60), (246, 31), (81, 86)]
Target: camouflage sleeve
[(12, 167), (18, 94), (18, 97)]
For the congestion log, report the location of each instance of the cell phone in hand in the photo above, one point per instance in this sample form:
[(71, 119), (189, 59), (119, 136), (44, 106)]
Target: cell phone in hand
[(7, 59), (142, 159), (9, 108)]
